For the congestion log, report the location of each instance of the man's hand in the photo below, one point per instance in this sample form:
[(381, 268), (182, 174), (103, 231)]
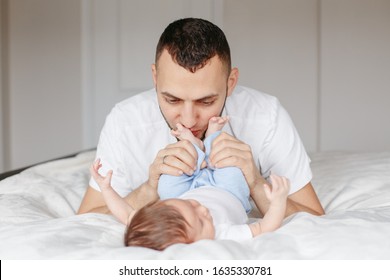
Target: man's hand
[(229, 151), (175, 159), (226, 151)]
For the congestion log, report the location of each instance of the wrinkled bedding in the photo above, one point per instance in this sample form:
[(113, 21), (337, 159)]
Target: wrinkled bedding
[(38, 221)]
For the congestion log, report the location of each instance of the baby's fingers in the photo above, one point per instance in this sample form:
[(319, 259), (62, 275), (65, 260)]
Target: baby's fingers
[(96, 166), (94, 173), (280, 184), (107, 179)]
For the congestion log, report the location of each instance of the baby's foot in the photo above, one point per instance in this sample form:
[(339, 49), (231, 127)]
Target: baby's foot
[(216, 124), (183, 133)]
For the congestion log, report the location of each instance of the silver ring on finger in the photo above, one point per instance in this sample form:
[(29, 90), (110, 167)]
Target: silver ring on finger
[(163, 160)]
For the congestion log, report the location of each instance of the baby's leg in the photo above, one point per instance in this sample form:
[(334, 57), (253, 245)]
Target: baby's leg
[(183, 133), (232, 180), (213, 131), (173, 186), (216, 124)]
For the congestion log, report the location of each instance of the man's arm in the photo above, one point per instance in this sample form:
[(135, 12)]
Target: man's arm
[(228, 151), (174, 159), (304, 200), (93, 201)]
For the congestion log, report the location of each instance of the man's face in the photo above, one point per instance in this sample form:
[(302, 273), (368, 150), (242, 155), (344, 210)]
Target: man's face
[(192, 98)]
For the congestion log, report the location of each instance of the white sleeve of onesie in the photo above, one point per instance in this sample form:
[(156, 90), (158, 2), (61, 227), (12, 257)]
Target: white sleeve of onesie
[(233, 232)]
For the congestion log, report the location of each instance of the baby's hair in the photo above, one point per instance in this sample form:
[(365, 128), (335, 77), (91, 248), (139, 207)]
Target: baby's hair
[(157, 226)]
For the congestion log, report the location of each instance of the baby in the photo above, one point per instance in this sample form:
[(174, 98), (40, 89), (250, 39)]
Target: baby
[(199, 211), (230, 179)]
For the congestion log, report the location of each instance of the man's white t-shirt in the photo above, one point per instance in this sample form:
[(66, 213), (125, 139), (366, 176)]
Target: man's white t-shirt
[(135, 131), (229, 216)]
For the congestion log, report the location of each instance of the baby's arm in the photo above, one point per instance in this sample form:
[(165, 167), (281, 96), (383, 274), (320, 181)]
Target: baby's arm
[(117, 205), (277, 195)]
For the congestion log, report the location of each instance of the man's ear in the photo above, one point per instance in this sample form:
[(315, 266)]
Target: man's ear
[(232, 80), (154, 74)]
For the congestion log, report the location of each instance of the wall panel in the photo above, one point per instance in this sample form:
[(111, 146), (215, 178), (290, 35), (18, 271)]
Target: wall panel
[(355, 75), (44, 80), (274, 44), (2, 93)]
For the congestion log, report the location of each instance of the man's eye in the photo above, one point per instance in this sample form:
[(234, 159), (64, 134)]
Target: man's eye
[(207, 103), (171, 101)]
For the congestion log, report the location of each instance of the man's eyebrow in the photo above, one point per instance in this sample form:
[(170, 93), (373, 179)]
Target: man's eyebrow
[(212, 95), (167, 94)]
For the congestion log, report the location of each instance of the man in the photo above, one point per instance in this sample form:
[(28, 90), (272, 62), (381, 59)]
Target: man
[(194, 81)]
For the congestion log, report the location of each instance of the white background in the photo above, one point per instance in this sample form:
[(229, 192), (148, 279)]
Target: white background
[(281, 270), (64, 64)]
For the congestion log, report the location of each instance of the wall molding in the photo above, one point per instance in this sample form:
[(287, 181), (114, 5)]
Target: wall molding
[(87, 99), (4, 88)]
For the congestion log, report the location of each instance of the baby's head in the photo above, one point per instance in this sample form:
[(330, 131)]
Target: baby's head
[(166, 222)]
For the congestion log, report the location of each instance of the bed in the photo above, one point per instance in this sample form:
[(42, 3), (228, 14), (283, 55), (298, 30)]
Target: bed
[(38, 221)]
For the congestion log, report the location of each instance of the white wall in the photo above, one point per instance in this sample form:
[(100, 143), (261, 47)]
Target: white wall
[(2, 144), (275, 46), (355, 75), (320, 58), (327, 61), (69, 61), (44, 104)]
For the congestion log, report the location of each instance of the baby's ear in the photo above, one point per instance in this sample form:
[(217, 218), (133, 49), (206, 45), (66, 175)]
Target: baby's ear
[(130, 217)]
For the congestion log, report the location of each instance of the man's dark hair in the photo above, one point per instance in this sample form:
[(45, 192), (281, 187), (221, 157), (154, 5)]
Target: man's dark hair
[(192, 42)]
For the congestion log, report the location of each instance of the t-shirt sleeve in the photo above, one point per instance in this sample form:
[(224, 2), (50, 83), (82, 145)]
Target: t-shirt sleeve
[(110, 154), (285, 154)]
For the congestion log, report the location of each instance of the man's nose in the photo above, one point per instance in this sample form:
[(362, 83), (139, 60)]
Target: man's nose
[(188, 116)]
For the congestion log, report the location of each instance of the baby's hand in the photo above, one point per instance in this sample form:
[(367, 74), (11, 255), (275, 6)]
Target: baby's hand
[(279, 190), (103, 182)]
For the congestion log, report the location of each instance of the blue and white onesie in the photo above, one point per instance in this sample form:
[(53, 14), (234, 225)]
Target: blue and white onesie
[(229, 179)]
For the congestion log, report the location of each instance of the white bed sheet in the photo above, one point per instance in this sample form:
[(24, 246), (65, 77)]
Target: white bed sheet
[(38, 221)]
